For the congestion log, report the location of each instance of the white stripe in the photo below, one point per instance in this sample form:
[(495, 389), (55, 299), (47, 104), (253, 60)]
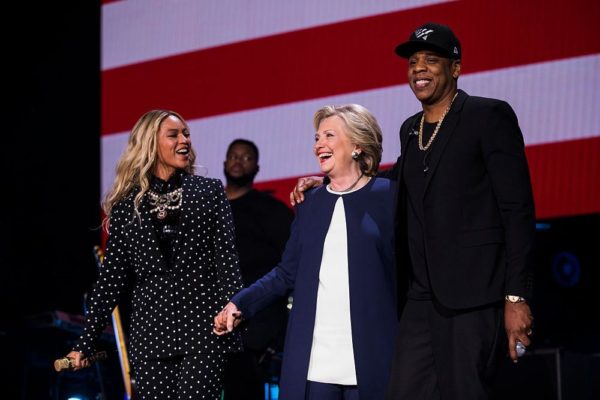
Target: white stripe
[(554, 101), (140, 30)]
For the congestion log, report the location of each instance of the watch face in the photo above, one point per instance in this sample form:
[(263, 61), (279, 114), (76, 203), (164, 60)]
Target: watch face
[(515, 299)]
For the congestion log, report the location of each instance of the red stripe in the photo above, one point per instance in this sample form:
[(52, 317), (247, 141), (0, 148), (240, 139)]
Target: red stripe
[(565, 178), (344, 57)]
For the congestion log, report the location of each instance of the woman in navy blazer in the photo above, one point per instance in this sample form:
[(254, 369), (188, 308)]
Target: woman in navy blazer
[(171, 247), (339, 266)]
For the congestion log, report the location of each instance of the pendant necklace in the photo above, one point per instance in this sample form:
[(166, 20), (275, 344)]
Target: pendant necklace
[(163, 202)]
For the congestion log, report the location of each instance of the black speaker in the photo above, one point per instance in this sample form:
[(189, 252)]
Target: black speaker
[(566, 284), (549, 374)]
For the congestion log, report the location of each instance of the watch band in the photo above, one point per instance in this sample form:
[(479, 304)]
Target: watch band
[(514, 299)]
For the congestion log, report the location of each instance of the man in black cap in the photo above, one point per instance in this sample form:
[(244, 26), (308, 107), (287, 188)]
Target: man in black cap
[(465, 228), (466, 225)]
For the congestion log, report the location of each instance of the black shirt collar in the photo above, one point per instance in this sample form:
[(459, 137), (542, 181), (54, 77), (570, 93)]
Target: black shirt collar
[(158, 185)]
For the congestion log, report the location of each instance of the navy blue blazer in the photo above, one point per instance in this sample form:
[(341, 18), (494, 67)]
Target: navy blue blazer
[(371, 263)]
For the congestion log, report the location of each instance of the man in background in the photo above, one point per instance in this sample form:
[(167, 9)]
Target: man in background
[(262, 226)]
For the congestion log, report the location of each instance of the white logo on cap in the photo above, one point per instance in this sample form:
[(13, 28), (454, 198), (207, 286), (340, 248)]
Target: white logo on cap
[(423, 33), (455, 50)]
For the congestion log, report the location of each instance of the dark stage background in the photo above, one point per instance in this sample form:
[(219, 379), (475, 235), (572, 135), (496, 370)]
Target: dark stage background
[(49, 218), (50, 199)]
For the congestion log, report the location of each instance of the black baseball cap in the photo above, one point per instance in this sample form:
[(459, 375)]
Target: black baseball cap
[(431, 36)]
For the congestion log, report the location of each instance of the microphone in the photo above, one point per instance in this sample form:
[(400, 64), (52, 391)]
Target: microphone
[(67, 363), (520, 349), (415, 128)]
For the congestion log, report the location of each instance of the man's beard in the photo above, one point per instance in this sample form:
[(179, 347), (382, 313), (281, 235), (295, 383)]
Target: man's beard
[(240, 181)]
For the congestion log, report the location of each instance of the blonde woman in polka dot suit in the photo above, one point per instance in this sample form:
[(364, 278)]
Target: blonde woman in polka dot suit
[(172, 232)]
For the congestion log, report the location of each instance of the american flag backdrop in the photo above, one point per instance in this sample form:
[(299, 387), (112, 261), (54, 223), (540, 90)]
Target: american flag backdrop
[(260, 69)]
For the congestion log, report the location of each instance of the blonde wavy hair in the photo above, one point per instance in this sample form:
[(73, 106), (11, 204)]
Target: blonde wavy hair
[(363, 130), (137, 163)]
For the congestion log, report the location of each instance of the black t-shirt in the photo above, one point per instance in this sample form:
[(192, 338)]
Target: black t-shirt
[(416, 168), (262, 227)]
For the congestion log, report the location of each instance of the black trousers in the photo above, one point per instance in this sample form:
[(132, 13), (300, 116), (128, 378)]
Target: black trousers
[(330, 391), (445, 354), (244, 377), (189, 377)]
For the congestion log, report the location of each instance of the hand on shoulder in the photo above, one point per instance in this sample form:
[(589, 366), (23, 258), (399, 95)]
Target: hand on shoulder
[(303, 184)]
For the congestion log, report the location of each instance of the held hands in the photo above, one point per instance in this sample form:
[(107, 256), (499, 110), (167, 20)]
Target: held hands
[(227, 319), (518, 323), (303, 184)]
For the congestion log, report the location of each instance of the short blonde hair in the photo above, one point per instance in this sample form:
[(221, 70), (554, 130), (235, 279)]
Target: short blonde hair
[(363, 130)]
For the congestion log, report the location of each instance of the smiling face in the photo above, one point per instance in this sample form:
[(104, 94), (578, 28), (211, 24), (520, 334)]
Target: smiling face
[(174, 147), (334, 149), (431, 76)]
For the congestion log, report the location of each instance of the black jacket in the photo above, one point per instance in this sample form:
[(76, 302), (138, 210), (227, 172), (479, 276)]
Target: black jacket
[(173, 308), (478, 205)]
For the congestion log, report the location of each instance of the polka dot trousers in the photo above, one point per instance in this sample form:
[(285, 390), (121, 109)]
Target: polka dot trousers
[(190, 377)]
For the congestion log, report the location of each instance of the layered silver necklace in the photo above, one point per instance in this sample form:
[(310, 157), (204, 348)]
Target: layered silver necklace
[(166, 201)]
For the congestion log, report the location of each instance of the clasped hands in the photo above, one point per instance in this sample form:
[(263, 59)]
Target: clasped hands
[(230, 317), (226, 320)]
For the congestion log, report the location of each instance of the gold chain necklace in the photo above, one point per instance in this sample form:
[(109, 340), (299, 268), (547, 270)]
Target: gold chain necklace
[(437, 127)]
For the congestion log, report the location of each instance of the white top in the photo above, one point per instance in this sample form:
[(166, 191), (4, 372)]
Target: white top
[(332, 355)]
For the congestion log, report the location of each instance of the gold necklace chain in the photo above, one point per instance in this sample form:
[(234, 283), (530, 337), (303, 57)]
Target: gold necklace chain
[(437, 127)]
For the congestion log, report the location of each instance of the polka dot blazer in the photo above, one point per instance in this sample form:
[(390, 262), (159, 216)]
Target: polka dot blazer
[(173, 308)]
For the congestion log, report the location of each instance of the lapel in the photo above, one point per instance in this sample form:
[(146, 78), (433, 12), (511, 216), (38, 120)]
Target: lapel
[(147, 233), (320, 212), (447, 129), (405, 138), (186, 182)]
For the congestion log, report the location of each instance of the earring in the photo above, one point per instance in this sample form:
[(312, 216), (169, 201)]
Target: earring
[(355, 154)]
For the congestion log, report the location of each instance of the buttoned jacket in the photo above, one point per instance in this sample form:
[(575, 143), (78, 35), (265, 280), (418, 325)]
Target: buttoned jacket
[(172, 308)]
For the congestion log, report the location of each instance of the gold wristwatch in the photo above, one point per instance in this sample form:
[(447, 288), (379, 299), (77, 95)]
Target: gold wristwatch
[(514, 299)]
